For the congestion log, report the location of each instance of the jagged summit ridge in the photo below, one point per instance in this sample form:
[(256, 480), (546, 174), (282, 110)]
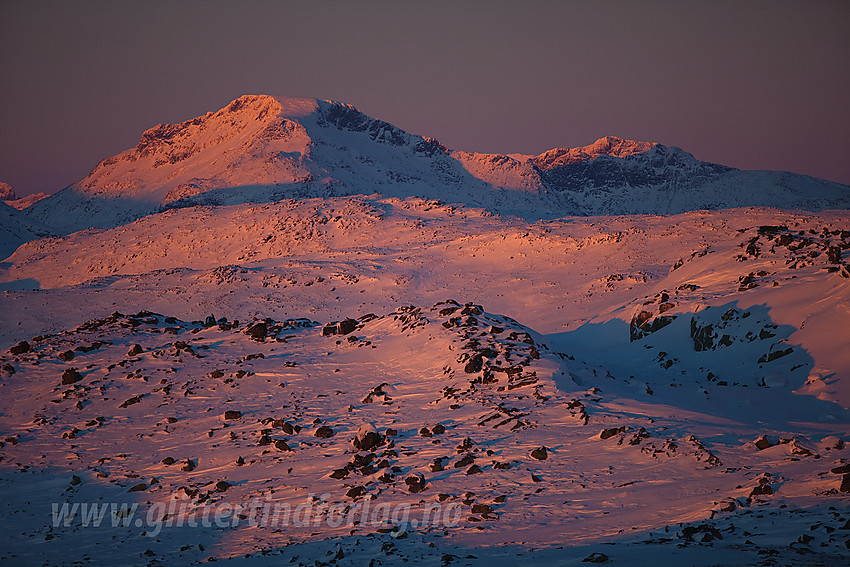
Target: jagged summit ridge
[(606, 146), (261, 148)]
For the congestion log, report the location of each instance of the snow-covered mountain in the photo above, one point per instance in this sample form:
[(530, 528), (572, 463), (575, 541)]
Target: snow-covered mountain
[(264, 348), (261, 149)]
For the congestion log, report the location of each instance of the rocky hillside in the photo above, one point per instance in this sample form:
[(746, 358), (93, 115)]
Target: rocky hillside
[(407, 425)]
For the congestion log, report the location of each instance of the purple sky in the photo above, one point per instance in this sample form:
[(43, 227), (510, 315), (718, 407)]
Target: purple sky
[(755, 85)]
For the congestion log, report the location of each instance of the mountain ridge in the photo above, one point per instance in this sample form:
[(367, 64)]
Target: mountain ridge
[(261, 148)]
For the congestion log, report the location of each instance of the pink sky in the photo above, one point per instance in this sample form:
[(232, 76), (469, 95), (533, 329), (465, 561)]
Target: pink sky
[(755, 85)]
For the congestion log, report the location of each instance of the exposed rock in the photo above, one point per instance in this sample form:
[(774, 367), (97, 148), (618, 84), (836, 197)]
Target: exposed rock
[(356, 491), (189, 466), (168, 461), (709, 533), (257, 331), (20, 348), (474, 469), (774, 354), (475, 364), (703, 336), (67, 355), (129, 402), (540, 454), (832, 442), (845, 483), (595, 558), (281, 445), (762, 443), (465, 445), (134, 350), (467, 460), (612, 431), (222, 486), (138, 487), (324, 432), (481, 509), (367, 438), (71, 376), (645, 323), (346, 326), (415, 483), (358, 461), (233, 414)]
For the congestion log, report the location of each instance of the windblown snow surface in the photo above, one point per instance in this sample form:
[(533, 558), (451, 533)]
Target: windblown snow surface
[(379, 379)]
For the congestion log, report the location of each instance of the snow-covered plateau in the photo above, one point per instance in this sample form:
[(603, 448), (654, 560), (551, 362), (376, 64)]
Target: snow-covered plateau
[(288, 333)]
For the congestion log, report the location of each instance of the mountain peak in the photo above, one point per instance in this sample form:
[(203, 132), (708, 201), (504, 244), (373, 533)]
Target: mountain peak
[(617, 147), (7, 192), (262, 148), (608, 146)]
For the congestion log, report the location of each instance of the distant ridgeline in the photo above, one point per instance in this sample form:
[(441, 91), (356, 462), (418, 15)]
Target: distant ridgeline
[(261, 148)]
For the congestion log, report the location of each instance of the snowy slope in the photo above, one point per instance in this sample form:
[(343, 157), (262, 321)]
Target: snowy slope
[(16, 228), (483, 439), (319, 257), (25, 202), (261, 149)]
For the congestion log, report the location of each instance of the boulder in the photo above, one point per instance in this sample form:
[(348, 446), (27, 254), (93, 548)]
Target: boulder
[(540, 454), (475, 364), (20, 348), (355, 492), (367, 438), (324, 432), (467, 460), (71, 376), (415, 483), (257, 331), (763, 443), (610, 432), (346, 326)]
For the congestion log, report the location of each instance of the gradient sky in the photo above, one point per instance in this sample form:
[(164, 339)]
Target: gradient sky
[(755, 85)]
